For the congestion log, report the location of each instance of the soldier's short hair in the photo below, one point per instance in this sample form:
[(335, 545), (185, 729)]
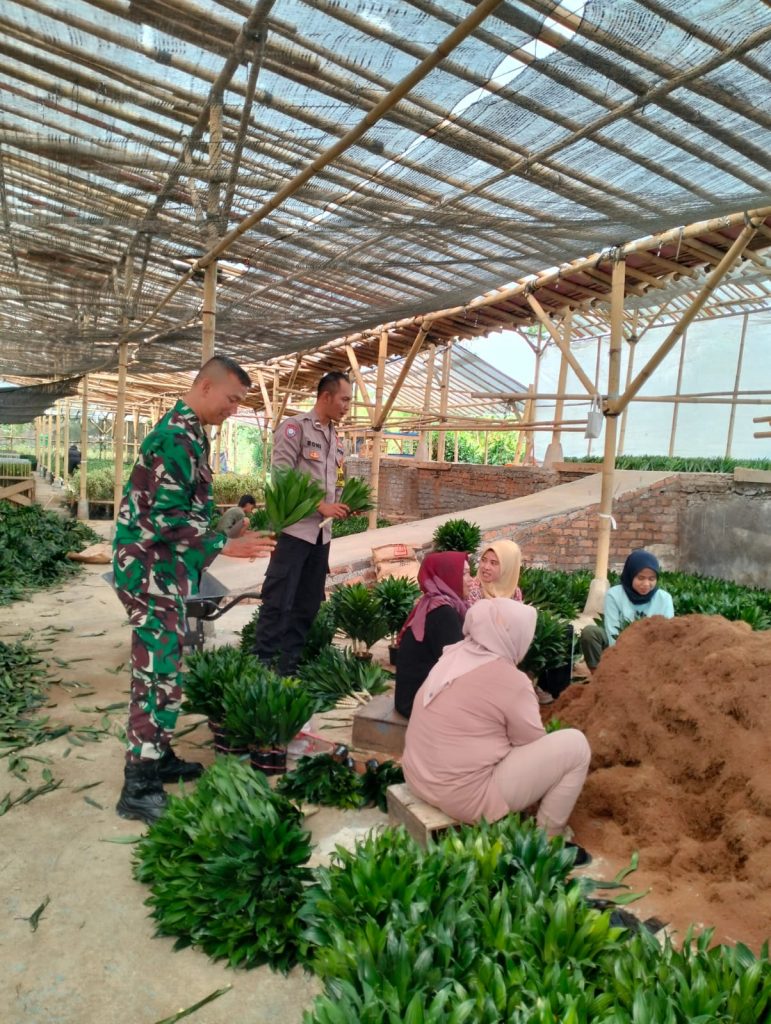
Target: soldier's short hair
[(218, 365), (331, 382)]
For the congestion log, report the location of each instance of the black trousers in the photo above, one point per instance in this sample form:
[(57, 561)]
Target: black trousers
[(291, 596)]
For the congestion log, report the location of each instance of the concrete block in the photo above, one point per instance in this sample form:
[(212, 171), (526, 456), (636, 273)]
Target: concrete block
[(379, 726)]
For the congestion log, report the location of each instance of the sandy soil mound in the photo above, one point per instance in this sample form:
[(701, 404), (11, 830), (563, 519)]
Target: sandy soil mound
[(679, 719)]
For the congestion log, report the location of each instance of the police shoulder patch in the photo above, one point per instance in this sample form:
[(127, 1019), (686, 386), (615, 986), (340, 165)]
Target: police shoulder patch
[(291, 431)]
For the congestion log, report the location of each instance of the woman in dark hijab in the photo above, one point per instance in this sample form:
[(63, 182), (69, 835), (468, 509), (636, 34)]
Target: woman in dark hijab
[(435, 621), (637, 596)]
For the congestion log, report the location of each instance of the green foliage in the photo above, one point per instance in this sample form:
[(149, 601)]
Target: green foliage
[(550, 647), (100, 482), (320, 635), (209, 673), (289, 497), (259, 519), (265, 710), (502, 448), (334, 674), (484, 927), (457, 535), (227, 488), (664, 463), (225, 865), (33, 549), (354, 524), (376, 780), (356, 494), (562, 593), (14, 467), (358, 614), (23, 681), (320, 779), (396, 595)]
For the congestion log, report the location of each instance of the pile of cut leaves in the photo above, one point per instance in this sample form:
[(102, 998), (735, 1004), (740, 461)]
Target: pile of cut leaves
[(23, 682), (33, 549)]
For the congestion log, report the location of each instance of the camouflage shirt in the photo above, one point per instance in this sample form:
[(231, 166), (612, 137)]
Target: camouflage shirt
[(163, 540)]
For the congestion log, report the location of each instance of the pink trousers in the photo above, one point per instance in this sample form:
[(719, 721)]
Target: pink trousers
[(550, 770)]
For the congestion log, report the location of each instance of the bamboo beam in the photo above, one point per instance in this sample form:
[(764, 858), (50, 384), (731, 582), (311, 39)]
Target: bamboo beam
[(424, 434), (83, 495), (366, 400), (265, 396), (406, 367), (119, 427), (66, 441), (678, 385), (668, 344), (600, 581), (444, 387), (58, 452), (289, 388), (576, 367), (135, 423), (377, 436), (737, 378)]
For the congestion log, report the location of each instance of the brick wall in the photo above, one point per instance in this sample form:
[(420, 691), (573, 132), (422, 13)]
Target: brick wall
[(419, 490)]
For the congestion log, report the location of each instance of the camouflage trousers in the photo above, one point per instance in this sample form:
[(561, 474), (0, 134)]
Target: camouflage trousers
[(156, 691)]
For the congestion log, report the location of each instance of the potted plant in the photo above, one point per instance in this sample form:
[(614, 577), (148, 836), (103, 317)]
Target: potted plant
[(397, 595), (208, 675), (458, 535), (264, 712), (359, 615), (549, 658)]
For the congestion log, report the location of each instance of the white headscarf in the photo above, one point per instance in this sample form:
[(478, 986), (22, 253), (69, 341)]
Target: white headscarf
[(495, 628)]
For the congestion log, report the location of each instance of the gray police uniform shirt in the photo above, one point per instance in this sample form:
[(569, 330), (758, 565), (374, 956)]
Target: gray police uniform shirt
[(231, 522), (301, 442)]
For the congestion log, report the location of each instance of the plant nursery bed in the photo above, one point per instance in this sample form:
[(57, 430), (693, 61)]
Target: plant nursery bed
[(678, 716)]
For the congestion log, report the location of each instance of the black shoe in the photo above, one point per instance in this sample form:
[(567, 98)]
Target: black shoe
[(173, 769), (582, 856), (142, 797)]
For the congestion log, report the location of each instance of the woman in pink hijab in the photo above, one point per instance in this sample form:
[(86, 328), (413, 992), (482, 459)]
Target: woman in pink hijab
[(435, 621), (475, 744)]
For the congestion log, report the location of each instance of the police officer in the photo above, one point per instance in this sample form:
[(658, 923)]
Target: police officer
[(294, 583), (162, 545)]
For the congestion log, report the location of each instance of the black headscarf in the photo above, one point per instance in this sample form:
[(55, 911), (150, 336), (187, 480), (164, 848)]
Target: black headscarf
[(636, 562)]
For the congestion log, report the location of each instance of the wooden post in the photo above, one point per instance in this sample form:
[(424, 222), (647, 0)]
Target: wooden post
[(58, 451), (365, 399), (425, 435), (599, 585), (217, 450), (235, 448), (632, 341), (737, 378), (692, 312), (597, 364), (406, 366), (37, 441), (676, 405), (487, 441), (66, 441), (374, 476), (562, 382), (83, 510), (564, 349), (119, 426), (136, 432), (455, 452), (444, 387)]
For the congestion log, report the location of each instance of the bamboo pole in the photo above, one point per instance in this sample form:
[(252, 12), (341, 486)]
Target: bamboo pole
[(633, 340), (425, 436), (455, 447), (66, 441), (374, 478), (366, 400), (58, 449), (576, 367), (135, 424), (119, 427), (37, 442), (49, 460), (217, 450), (678, 385), (83, 510), (737, 378), (444, 387), (599, 584), (289, 387), (406, 367), (265, 396), (710, 284), (487, 445)]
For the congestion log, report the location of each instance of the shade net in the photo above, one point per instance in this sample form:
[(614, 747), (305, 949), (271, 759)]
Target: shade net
[(534, 142), (23, 404)]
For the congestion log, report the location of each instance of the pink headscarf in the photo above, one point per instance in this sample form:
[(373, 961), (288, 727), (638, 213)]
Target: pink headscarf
[(441, 579), (495, 628)]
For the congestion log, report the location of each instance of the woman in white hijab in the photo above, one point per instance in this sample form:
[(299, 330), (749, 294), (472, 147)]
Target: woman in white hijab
[(475, 746)]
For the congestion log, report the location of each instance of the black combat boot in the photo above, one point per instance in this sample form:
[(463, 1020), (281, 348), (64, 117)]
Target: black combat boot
[(142, 797), (173, 769)]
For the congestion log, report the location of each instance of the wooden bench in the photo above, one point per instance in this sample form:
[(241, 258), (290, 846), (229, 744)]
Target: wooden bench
[(421, 820), (379, 726)]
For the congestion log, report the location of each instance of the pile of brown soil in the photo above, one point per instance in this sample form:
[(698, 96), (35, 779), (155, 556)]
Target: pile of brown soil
[(678, 716)]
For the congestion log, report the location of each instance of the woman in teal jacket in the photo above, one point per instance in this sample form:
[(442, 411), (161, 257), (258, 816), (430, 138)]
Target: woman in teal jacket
[(636, 597)]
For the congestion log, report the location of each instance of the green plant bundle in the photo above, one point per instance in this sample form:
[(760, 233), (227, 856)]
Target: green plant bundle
[(663, 463), (357, 495), (334, 674), (376, 780), (23, 681), (289, 497), (550, 647), (359, 615), (209, 673), (227, 488), (259, 519), (396, 595), (457, 535), (100, 482), (226, 868), (483, 926), (319, 779), (33, 549), (264, 709), (355, 524)]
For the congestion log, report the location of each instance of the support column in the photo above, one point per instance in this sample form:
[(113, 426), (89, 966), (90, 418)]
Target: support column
[(37, 442), (83, 510), (676, 403), (737, 378), (554, 451), (58, 452), (119, 427), (629, 367), (425, 435), (377, 433), (136, 432), (66, 441), (444, 387)]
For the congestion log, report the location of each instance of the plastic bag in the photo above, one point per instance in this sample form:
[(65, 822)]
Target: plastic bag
[(595, 419)]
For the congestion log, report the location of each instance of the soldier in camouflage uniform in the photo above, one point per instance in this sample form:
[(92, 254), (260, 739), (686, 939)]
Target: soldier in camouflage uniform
[(163, 542)]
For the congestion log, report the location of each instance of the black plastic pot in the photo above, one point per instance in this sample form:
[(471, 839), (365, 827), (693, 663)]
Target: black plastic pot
[(262, 761), (222, 742), (557, 678), (393, 651), (278, 760)]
